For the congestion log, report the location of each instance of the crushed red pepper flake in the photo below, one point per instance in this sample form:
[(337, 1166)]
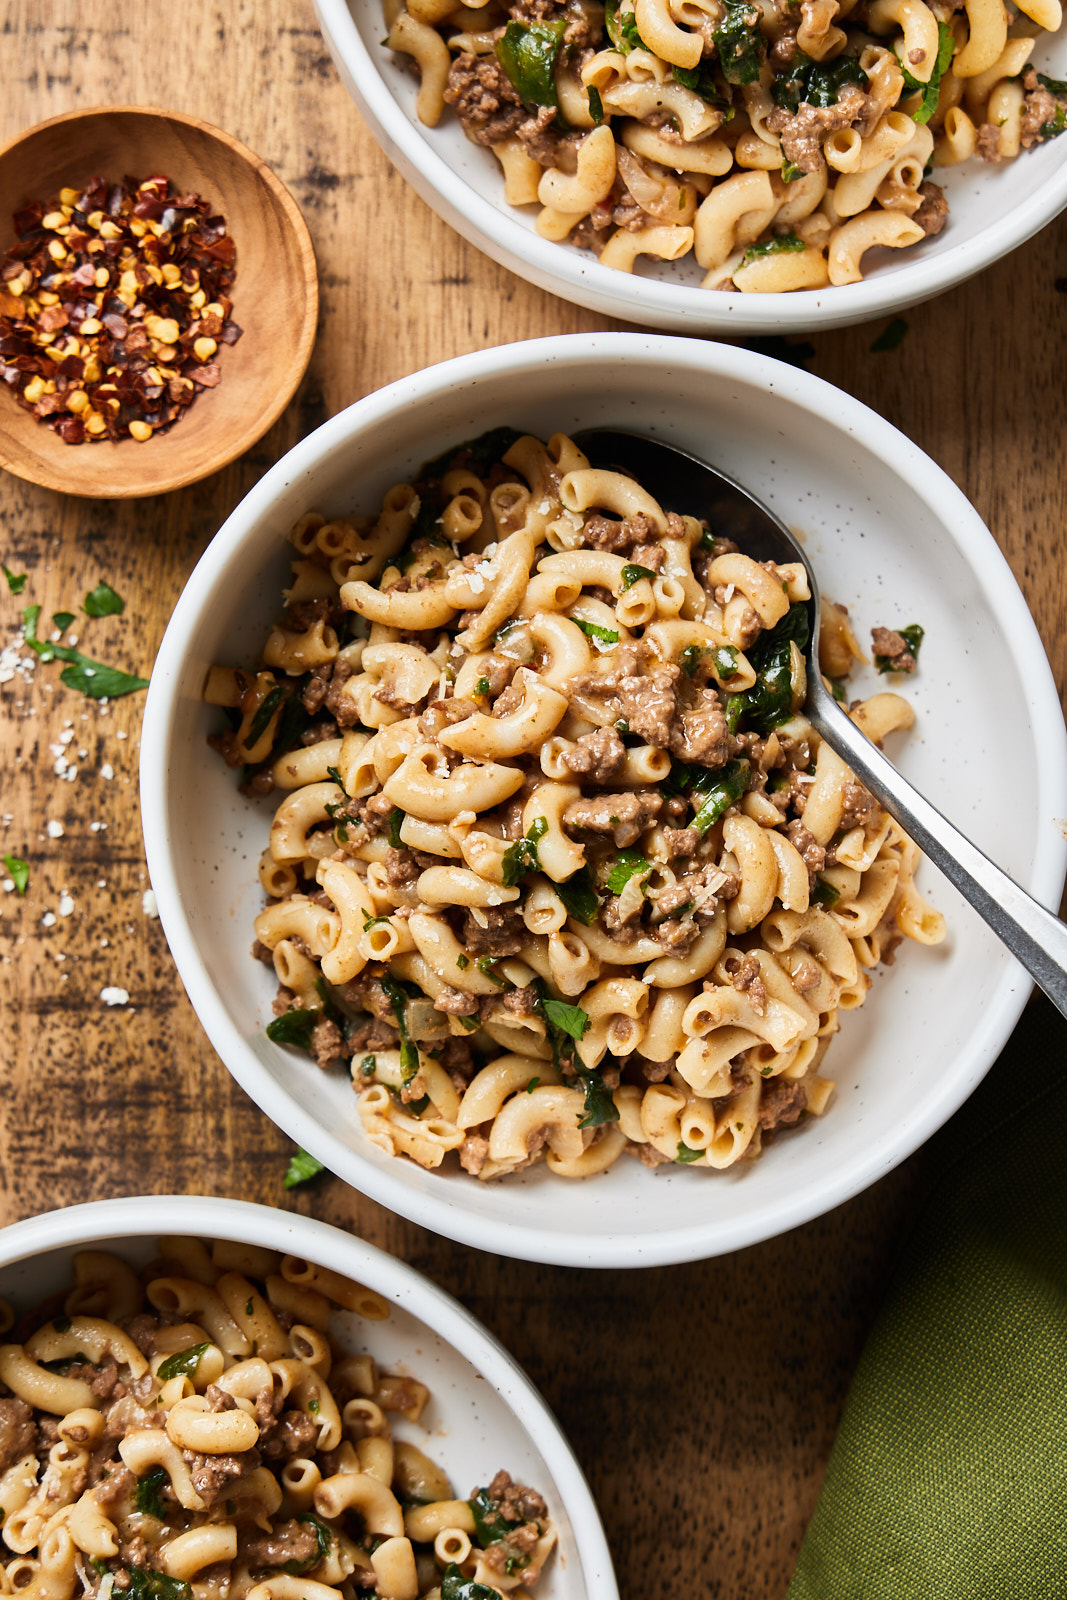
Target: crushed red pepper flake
[(112, 305)]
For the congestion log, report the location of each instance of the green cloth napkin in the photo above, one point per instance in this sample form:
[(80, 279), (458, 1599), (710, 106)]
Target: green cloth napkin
[(948, 1477)]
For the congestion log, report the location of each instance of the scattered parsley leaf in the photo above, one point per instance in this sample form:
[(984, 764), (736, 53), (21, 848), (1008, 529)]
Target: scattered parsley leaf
[(183, 1363), (687, 1153), (913, 636), (579, 897), (726, 661), (462, 962), (302, 1168), (791, 171), (148, 1490), (731, 783), (690, 658), (568, 1019), (527, 52), (596, 105), (946, 45), (294, 1027), (16, 581), (596, 632), (396, 820), (454, 1586), (625, 866), (333, 773), (781, 244), (532, 1085), (632, 574), (19, 872), (521, 856), (264, 712), (600, 1104), (62, 620), (824, 894), (92, 678), (409, 1054), (891, 336), (103, 602), (481, 689)]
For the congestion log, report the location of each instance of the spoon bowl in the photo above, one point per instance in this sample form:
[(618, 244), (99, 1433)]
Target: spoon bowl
[(686, 484)]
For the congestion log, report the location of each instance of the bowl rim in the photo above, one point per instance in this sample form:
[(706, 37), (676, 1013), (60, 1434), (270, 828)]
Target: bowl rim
[(498, 234), (205, 1216), (241, 532), (13, 462)]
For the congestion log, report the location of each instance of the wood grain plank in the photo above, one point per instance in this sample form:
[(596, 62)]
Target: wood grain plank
[(706, 1469)]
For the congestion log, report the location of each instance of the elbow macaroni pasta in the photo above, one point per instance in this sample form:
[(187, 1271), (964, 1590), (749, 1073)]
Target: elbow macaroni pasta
[(730, 129), (193, 1474), (599, 888)]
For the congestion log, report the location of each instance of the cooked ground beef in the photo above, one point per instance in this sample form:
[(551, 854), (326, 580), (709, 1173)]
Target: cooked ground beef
[(523, 1001), (747, 979), (514, 1501), (1041, 110), (624, 816), (699, 733), (401, 868), (503, 934), (676, 936), (539, 138), (482, 96), (680, 842), (212, 1475), (648, 701), (933, 213), (860, 807), (473, 1153), (803, 131), (288, 1541), (988, 147), (456, 1003), (596, 756), (327, 1044), (803, 841), (17, 1431), (781, 1104)]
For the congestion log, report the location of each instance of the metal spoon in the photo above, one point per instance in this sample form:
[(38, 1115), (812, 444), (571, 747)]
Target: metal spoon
[(684, 483)]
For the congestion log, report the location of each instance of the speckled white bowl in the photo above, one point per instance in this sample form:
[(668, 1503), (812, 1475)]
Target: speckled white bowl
[(994, 209), (891, 537), (483, 1412)]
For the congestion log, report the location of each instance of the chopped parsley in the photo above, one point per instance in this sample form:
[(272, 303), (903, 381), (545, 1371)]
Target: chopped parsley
[(454, 1586), (368, 1066), (521, 857), (824, 894), (16, 581), (183, 1363), (891, 336), (294, 1027), (837, 689), (595, 632), (532, 1085), (409, 1055), (691, 657), (621, 28), (527, 52), (579, 897), (396, 819), (296, 1569), (726, 789), (770, 699), (462, 962), (103, 602), (19, 872), (91, 678), (632, 574), (266, 709), (701, 80), (913, 637), (781, 244), (302, 1168), (687, 1153), (568, 1019), (790, 171), (485, 965), (62, 620), (739, 42), (627, 864), (333, 773), (148, 1491), (600, 1104), (815, 83), (726, 657), (946, 45), (596, 105), (481, 689)]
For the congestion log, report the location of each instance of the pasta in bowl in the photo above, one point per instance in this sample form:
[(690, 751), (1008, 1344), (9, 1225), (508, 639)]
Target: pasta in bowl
[(887, 533), (560, 870), (754, 151), (187, 1416)]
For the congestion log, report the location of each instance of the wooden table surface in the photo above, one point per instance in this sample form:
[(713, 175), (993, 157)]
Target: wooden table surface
[(705, 1470)]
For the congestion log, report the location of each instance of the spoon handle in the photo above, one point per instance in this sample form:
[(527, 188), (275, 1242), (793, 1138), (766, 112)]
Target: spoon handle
[(1033, 935)]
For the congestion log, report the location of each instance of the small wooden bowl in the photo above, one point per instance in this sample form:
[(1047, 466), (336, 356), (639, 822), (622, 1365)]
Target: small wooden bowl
[(275, 295)]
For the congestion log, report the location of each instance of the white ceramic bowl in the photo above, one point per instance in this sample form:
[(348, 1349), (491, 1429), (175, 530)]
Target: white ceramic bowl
[(891, 536), (993, 210), (483, 1413)]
